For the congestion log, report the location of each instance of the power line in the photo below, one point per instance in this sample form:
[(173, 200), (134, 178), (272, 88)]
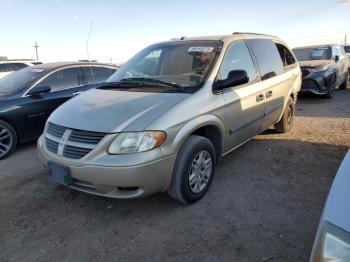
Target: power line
[(36, 50)]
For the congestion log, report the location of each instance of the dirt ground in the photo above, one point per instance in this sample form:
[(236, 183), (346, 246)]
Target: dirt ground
[(264, 203)]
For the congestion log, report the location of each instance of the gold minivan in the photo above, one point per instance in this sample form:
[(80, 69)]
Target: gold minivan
[(165, 119)]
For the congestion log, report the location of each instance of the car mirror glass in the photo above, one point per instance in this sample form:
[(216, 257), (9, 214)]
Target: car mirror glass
[(38, 90)]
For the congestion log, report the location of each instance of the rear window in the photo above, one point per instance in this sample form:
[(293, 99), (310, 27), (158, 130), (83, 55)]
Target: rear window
[(268, 57), (312, 53), (347, 49)]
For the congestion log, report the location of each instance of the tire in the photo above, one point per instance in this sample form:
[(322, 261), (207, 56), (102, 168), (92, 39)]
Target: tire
[(8, 139), (330, 92), (286, 122), (344, 85), (195, 151)]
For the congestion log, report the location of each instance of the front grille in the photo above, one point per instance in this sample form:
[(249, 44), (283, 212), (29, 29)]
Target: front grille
[(51, 145), (86, 137), (71, 143), (75, 152), (56, 130)]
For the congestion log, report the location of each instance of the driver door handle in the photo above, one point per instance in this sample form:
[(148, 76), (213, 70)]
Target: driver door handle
[(77, 93)]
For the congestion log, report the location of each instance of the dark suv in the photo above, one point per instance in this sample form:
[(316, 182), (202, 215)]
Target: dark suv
[(324, 67), (28, 96)]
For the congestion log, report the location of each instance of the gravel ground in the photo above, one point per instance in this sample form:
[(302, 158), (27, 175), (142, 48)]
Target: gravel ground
[(264, 203)]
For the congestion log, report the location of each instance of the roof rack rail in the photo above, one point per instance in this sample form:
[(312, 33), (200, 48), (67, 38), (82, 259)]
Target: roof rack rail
[(249, 33), (181, 38)]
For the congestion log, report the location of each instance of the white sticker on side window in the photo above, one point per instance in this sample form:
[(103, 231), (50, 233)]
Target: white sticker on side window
[(38, 70), (201, 49)]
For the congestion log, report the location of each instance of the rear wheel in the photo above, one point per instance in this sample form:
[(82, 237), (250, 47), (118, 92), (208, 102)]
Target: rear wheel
[(194, 170), (8, 139), (286, 122)]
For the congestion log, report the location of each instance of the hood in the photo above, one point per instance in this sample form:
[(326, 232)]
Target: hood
[(112, 111), (337, 206), (315, 63)]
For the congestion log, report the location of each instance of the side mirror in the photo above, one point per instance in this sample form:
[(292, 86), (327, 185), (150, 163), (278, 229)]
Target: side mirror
[(38, 90), (336, 58), (234, 78)]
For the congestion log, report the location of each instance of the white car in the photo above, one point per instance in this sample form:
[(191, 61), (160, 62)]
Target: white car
[(7, 67)]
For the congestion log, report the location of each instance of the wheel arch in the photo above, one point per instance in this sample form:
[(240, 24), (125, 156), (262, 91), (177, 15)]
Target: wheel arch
[(11, 123), (208, 126)]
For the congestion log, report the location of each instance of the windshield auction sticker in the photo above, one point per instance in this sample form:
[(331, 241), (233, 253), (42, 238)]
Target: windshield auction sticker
[(201, 49)]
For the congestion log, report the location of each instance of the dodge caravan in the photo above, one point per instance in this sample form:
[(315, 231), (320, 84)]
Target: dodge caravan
[(164, 120)]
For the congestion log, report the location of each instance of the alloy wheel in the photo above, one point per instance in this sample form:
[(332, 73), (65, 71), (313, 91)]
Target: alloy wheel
[(200, 172), (5, 141), (289, 115)]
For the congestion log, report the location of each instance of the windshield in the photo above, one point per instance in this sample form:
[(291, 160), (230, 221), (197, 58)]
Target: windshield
[(347, 49), (314, 53), (19, 79), (178, 65)]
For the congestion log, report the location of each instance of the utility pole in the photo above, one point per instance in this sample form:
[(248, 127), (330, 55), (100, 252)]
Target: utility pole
[(36, 51), (345, 40)]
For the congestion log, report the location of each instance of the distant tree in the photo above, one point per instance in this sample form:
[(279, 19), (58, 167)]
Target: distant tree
[(3, 58)]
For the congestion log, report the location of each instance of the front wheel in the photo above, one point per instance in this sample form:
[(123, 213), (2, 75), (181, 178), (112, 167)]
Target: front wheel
[(194, 170), (8, 139), (286, 122), (344, 85)]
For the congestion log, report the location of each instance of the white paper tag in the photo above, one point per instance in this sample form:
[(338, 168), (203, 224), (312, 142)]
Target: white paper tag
[(38, 70), (201, 49)]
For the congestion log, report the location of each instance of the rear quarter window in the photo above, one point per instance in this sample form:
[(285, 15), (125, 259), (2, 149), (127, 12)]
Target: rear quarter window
[(268, 58), (94, 74), (287, 58)]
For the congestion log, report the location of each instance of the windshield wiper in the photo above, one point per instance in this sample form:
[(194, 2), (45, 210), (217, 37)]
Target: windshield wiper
[(133, 79)]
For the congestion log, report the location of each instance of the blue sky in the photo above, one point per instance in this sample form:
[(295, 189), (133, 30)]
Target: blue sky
[(121, 28)]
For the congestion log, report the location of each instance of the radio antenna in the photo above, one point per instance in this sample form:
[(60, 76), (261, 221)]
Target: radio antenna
[(87, 50), (87, 40)]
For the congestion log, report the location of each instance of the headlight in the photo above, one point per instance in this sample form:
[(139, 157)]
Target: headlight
[(333, 245), (133, 142), (320, 68)]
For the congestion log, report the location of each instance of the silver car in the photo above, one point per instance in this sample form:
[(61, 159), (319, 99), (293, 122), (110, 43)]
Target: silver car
[(332, 242), (168, 116)]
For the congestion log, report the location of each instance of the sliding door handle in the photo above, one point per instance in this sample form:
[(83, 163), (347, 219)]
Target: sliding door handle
[(259, 98), (268, 94)]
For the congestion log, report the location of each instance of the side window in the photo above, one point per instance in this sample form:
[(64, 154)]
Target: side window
[(269, 60), (335, 51), (18, 66), (339, 51), (62, 79), (237, 57), (286, 55), (95, 75), (4, 68)]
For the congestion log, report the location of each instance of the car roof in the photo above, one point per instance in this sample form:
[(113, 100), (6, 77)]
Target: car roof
[(235, 35), (55, 65), (18, 61)]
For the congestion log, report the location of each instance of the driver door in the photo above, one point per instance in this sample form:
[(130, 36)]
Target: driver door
[(64, 83)]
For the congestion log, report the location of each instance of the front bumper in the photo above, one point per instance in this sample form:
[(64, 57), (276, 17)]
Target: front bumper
[(318, 83), (122, 181)]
